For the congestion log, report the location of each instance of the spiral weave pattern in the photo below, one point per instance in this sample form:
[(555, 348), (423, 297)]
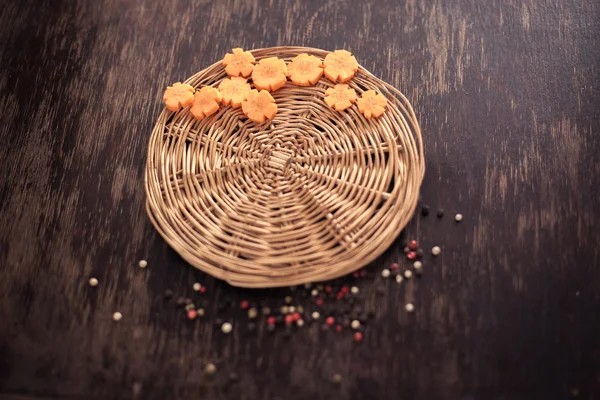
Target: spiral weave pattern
[(310, 196)]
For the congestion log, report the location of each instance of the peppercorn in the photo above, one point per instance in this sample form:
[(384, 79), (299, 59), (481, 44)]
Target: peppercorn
[(425, 211), (210, 369), (358, 336), (252, 313)]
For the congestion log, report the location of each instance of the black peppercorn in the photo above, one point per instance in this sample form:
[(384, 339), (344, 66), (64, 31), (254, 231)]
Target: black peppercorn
[(425, 211), (440, 213), (168, 294)]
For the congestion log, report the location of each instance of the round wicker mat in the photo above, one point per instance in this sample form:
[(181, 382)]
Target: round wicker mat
[(312, 195)]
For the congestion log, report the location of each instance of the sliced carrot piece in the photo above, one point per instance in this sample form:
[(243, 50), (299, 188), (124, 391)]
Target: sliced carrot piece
[(259, 106), (340, 97), (305, 70), (177, 96), (269, 74), (206, 102), (240, 63), (372, 104), (234, 91), (340, 66)]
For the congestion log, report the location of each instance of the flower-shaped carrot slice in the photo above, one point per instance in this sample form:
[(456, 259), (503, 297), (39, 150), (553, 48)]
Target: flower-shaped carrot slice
[(340, 96), (372, 104), (259, 106), (234, 91), (269, 74), (240, 63), (340, 66), (206, 102), (177, 96), (305, 70)]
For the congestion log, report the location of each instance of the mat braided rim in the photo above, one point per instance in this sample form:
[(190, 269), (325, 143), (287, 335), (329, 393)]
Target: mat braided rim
[(313, 195)]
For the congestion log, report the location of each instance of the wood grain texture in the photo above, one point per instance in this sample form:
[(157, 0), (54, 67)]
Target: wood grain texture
[(507, 96)]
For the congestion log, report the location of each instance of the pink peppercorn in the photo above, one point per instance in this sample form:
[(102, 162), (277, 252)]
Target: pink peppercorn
[(271, 320), (330, 321), (319, 301), (411, 255), (244, 305), (413, 244), (394, 266), (358, 337), (339, 327), (192, 314), (203, 289)]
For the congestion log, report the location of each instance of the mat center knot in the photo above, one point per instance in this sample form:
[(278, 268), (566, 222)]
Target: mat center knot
[(280, 159)]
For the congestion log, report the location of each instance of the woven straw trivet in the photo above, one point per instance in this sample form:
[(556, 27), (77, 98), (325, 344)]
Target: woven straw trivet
[(312, 195)]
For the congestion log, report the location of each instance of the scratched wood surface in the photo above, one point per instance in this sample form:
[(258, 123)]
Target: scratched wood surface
[(507, 93)]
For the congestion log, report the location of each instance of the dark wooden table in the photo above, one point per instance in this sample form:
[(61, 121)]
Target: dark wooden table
[(507, 93)]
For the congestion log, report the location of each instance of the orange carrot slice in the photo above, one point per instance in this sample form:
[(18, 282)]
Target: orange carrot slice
[(340, 97), (240, 63), (269, 74), (234, 91), (259, 106), (372, 104), (305, 70), (340, 66), (177, 96), (206, 102)]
